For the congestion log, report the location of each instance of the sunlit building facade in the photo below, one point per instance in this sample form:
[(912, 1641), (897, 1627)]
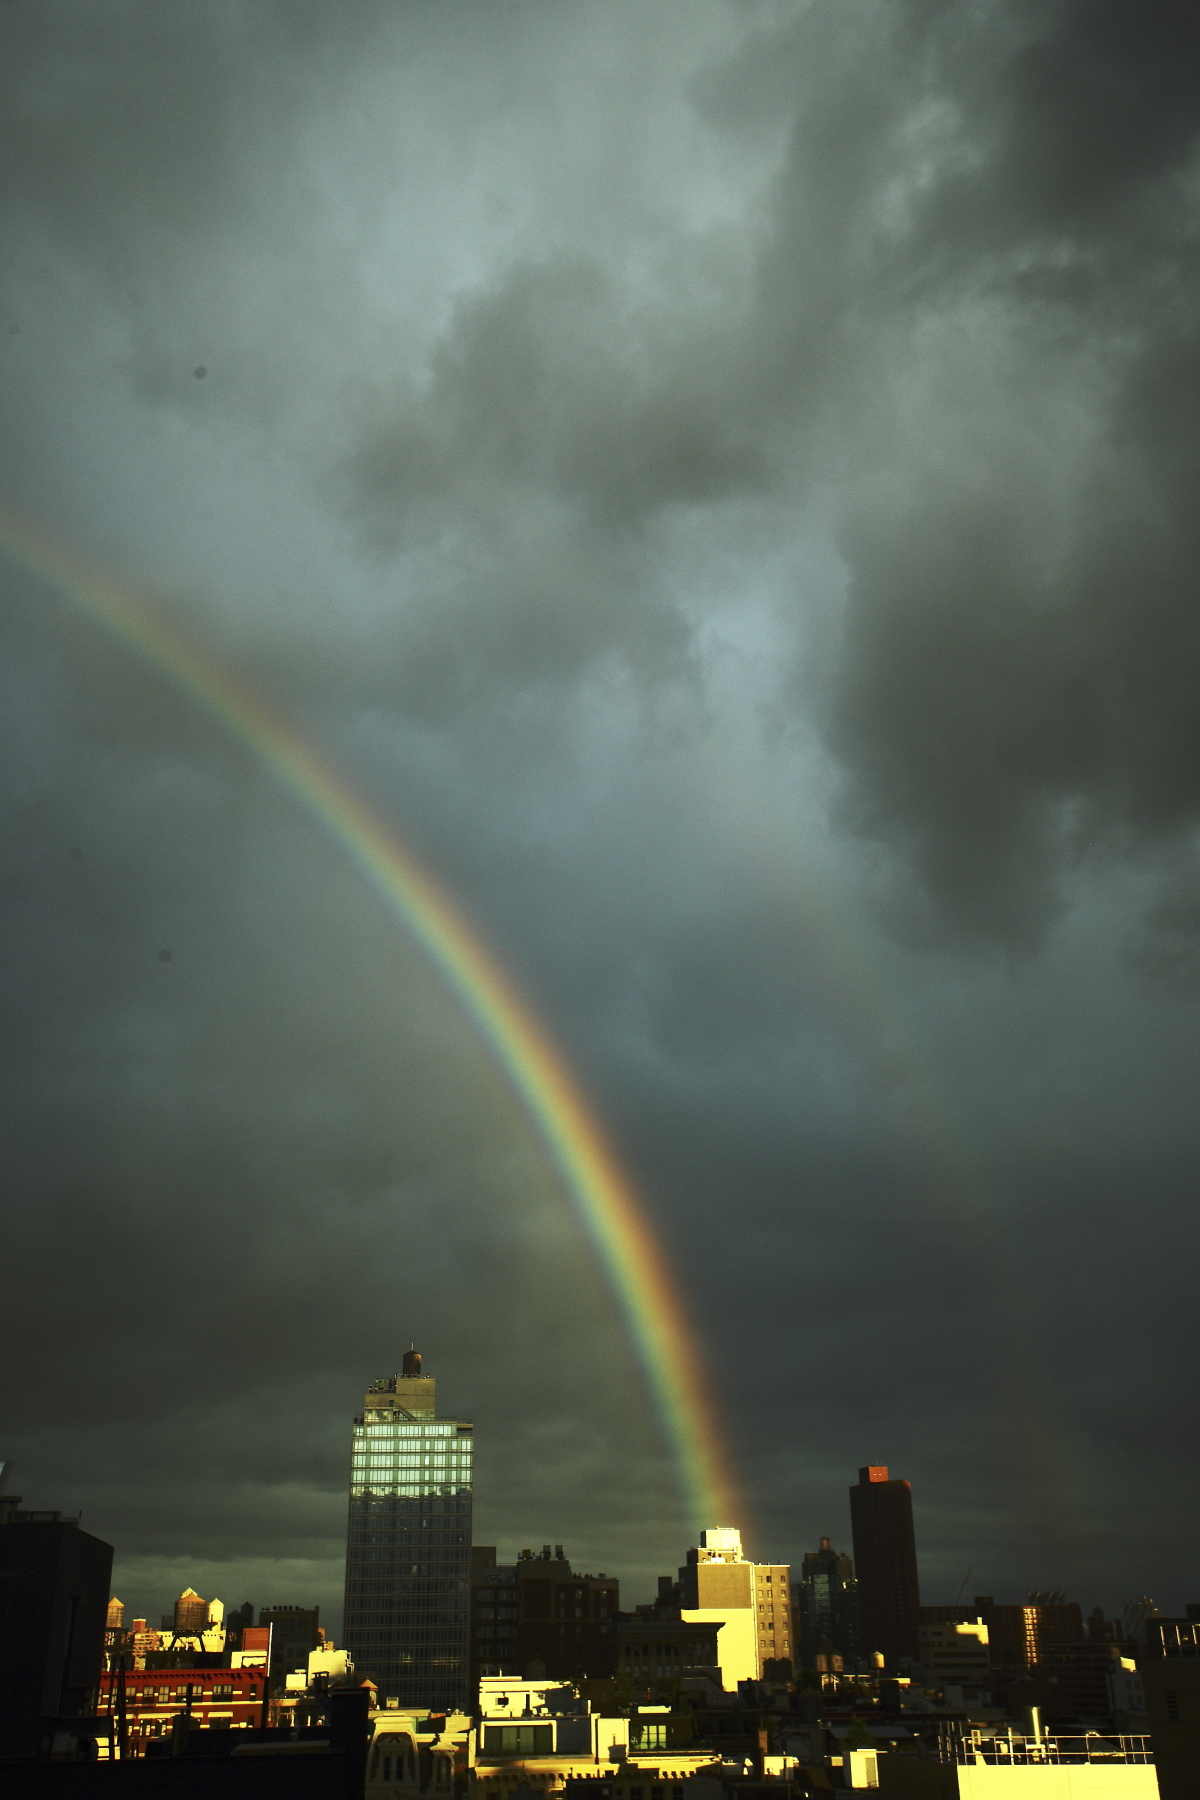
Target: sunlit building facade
[(750, 1601), (408, 1553)]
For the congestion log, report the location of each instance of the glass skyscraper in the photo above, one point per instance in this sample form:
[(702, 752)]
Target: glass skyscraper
[(408, 1553)]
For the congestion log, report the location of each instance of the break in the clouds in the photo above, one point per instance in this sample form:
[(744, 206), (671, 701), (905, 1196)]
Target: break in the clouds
[(721, 477)]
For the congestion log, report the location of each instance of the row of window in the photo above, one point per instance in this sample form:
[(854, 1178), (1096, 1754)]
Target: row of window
[(367, 1481), (414, 1465), (419, 1427), (388, 1444), (163, 1696)]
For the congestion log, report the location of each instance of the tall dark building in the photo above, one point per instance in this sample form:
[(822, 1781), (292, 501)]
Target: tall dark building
[(54, 1588), (825, 1604), (885, 1553), (408, 1555)]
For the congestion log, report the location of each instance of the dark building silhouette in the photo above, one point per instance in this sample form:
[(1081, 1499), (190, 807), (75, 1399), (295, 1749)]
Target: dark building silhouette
[(293, 1635), (538, 1615), (54, 1588), (825, 1605), (885, 1554), (408, 1555)]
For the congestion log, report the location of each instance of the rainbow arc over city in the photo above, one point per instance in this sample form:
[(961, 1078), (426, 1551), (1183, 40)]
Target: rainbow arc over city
[(603, 1198)]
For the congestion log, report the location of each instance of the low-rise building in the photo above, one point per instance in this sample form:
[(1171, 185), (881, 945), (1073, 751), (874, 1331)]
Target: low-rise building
[(535, 1737), (152, 1699), (657, 1649)]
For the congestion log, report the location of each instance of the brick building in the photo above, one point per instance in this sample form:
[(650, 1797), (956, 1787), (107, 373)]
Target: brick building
[(153, 1697)]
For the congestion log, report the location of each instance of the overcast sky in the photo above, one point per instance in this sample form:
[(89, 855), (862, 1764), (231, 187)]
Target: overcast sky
[(720, 476)]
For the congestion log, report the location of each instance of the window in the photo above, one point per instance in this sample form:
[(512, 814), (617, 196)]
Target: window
[(1172, 1707), (519, 1740), (651, 1737)]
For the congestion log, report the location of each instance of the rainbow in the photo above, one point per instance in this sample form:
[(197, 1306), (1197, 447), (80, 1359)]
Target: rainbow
[(603, 1198)]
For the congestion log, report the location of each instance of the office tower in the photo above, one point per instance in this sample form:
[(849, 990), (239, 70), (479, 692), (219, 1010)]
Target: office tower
[(885, 1554), (537, 1613), (54, 1588), (408, 1554), (825, 1605), (751, 1602)]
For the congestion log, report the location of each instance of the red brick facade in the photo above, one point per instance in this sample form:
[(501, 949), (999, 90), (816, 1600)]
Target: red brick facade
[(214, 1697)]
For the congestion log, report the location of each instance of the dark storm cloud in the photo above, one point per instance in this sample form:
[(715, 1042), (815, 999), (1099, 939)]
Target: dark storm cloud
[(1020, 665), (974, 313)]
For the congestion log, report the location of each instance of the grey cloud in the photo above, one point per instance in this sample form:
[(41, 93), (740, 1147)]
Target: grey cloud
[(1018, 664), (549, 384)]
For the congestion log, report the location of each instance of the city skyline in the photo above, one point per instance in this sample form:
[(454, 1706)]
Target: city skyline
[(887, 1546), (706, 489)]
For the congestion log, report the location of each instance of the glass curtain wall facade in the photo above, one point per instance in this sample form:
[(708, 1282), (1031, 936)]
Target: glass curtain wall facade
[(826, 1598), (408, 1555)]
